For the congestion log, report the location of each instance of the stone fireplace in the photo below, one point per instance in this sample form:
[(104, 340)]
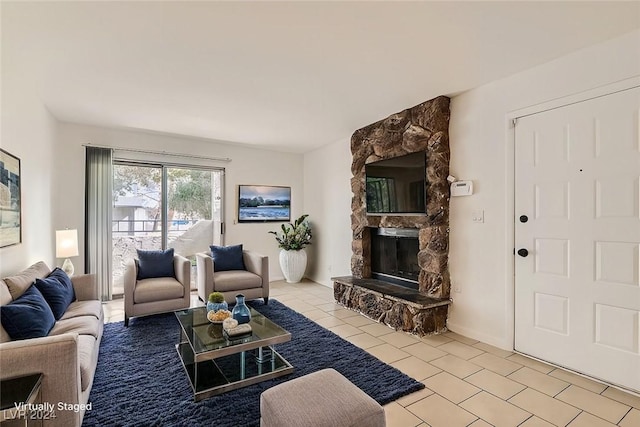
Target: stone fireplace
[(399, 264)]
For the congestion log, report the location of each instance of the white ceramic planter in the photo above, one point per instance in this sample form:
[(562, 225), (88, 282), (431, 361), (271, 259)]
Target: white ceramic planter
[(293, 264)]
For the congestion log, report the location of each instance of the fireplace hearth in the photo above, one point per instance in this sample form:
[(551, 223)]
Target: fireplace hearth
[(397, 306)]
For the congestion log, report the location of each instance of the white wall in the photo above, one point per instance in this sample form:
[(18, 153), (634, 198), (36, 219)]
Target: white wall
[(327, 173), (27, 131), (481, 255), (248, 166)]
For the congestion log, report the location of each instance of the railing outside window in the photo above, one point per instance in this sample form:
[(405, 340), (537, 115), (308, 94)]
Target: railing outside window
[(128, 226)]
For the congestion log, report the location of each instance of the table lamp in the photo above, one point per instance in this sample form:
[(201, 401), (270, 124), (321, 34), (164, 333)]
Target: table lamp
[(67, 246)]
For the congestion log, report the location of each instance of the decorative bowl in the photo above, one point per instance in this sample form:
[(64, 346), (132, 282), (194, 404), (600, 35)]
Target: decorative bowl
[(217, 317)]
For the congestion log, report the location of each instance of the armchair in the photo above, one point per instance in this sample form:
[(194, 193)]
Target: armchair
[(253, 282), (158, 294)]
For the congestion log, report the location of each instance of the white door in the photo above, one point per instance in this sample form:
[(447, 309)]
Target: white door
[(578, 290)]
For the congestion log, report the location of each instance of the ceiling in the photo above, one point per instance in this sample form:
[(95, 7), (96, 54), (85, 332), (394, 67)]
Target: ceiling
[(289, 76)]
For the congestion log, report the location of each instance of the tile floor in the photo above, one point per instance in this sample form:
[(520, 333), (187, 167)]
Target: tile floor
[(468, 383)]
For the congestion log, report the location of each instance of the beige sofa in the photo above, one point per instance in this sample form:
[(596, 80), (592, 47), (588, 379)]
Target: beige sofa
[(253, 282), (67, 358)]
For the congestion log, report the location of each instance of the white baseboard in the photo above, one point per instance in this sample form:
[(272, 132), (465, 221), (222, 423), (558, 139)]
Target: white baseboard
[(476, 335), (321, 282)]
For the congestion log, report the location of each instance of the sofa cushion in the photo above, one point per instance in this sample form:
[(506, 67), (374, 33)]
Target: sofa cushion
[(57, 290), (29, 316), (155, 264), (227, 258), (235, 280), (19, 283), (157, 289), (81, 325), (5, 295), (87, 356), (5, 298), (84, 308)]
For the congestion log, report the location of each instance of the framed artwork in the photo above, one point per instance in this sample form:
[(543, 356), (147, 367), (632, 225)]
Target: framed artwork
[(263, 203), (10, 211)]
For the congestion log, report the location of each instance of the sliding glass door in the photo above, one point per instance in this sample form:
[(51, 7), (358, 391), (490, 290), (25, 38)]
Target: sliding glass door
[(164, 206), (193, 209)]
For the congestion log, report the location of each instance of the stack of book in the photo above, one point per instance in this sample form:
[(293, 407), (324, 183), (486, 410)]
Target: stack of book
[(238, 332)]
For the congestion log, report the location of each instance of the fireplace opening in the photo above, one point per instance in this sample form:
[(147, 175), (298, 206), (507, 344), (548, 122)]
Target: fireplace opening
[(394, 256)]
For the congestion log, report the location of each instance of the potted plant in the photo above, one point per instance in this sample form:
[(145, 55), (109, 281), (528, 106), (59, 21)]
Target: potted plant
[(292, 240), (216, 302)]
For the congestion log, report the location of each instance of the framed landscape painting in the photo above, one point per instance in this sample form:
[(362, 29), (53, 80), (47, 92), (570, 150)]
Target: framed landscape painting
[(10, 218), (262, 203)]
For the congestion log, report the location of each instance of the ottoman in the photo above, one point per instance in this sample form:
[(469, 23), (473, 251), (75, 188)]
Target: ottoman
[(321, 399)]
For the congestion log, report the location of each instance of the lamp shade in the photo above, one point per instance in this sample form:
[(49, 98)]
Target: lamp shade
[(66, 243)]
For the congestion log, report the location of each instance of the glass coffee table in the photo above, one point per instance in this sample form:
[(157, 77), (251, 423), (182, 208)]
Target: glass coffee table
[(216, 365)]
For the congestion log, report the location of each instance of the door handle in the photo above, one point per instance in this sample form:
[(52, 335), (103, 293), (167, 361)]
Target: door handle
[(524, 218), (523, 252)]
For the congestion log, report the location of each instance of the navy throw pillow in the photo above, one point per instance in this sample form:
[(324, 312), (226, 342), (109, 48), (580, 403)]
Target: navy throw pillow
[(227, 258), (155, 264), (57, 290), (29, 316)]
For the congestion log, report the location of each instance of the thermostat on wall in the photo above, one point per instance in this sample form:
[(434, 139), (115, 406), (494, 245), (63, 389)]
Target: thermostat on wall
[(461, 188)]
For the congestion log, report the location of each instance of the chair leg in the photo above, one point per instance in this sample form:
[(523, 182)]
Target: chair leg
[(266, 300), (126, 321)]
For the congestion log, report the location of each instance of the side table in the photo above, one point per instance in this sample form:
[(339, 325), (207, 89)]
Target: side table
[(21, 403)]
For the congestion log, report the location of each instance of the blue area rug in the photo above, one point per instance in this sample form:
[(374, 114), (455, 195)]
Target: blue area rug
[(140, 380)]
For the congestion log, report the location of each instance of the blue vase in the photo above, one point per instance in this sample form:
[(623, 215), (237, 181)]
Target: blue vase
[(217, 306), (241, 312)]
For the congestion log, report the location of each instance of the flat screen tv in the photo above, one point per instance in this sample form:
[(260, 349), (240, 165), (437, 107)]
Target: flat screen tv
[(396, 185)]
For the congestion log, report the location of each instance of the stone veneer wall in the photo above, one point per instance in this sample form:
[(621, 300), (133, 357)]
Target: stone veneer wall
[(424, 127)]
